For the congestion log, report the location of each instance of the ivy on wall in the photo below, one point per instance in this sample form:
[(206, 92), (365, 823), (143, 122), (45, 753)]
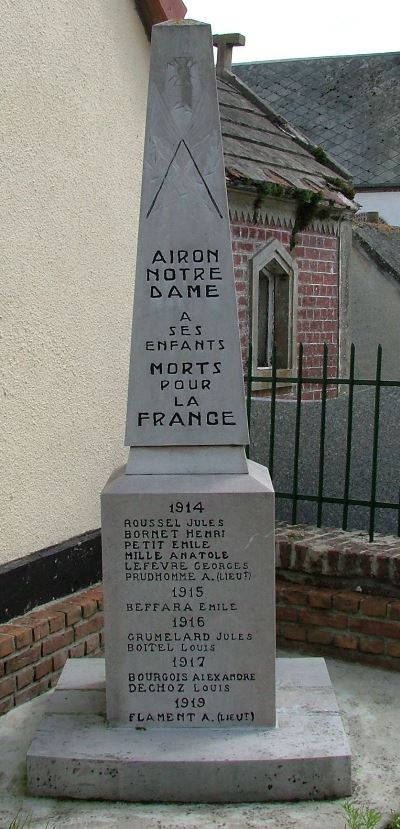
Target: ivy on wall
[(310, 204), (309, 207)]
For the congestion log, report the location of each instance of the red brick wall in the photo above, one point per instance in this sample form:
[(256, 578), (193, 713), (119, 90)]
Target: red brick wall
[(35, 647), (317, 257), (345, 624), (337, 595)]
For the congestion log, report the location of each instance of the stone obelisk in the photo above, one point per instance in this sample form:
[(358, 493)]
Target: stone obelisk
[(187, 710), (188, 527), (185, 384)]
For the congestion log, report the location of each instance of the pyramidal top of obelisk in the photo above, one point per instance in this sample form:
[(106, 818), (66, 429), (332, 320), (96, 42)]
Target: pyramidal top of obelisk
[(186, 377)]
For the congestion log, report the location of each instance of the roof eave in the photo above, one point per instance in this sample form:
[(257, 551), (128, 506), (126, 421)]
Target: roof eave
[(252, 190), (377, 188), (158, 11)]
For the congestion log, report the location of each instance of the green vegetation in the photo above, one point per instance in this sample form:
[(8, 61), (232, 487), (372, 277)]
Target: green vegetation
[(308, 208), (365, 818), (309, 203), (359, 818), (343, 187), (21, 821), (266, 188), (319, 154)]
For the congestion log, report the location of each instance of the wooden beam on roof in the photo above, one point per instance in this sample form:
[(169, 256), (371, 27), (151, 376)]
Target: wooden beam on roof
[(158, 11)]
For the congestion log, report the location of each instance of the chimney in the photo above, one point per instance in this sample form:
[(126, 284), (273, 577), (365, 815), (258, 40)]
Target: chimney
[(225, 44)]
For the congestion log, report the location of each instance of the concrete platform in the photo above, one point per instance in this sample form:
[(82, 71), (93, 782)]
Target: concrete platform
[(76, 754), (368, 701)]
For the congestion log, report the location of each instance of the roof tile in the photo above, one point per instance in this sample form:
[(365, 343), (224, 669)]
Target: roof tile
[(353, 97), (260, 148)]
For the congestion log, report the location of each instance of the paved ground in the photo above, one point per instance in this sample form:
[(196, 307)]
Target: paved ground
[(369, 699)]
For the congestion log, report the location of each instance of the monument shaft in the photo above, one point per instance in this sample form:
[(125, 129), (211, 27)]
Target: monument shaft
[(185, 384), (188, 558)]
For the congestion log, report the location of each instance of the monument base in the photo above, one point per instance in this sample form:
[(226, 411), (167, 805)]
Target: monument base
[(76, 754)]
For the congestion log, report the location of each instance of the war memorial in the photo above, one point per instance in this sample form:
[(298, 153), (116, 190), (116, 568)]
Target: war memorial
[(190, 703)]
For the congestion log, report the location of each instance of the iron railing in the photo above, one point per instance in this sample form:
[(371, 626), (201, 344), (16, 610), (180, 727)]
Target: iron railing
[(324, 382)]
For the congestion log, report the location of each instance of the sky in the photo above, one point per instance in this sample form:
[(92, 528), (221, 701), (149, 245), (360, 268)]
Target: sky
[(303, 28)]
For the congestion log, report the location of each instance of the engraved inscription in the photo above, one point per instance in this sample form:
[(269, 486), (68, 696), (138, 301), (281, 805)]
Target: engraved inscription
[(190, 649), (183, 363)]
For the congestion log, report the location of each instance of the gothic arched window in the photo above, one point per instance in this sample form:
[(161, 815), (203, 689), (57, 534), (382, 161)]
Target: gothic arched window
[(274, 309)]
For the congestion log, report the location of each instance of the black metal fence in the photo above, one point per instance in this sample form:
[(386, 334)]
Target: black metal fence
[(299, 382)]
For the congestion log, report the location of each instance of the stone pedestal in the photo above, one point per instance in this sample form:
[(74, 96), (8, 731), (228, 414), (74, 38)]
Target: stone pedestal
[(75, 753), (189, 593)]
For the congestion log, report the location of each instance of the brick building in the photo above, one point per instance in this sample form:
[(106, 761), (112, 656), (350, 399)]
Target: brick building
[(288, 212)]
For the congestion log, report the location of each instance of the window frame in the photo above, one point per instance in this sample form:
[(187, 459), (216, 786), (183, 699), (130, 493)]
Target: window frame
[(273, 254)]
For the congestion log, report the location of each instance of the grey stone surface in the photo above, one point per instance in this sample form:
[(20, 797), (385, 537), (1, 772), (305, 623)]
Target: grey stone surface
[(167, 460), (189, 592), (306, 756), (335, 455), (186, 385), (375, 300), (369, 703), (382, 242), (80, 689)]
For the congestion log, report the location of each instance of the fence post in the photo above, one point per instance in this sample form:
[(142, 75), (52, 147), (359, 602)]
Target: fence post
[(349, 439), (375, 442), (273, 409), (322, 437), (297, 434), (324, 381)]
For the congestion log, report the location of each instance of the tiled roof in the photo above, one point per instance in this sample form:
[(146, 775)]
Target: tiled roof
[(382, 242), (260, 147), (348, 105)]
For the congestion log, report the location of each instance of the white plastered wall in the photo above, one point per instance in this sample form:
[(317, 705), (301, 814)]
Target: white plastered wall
[(74, 86), (386, 203)]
